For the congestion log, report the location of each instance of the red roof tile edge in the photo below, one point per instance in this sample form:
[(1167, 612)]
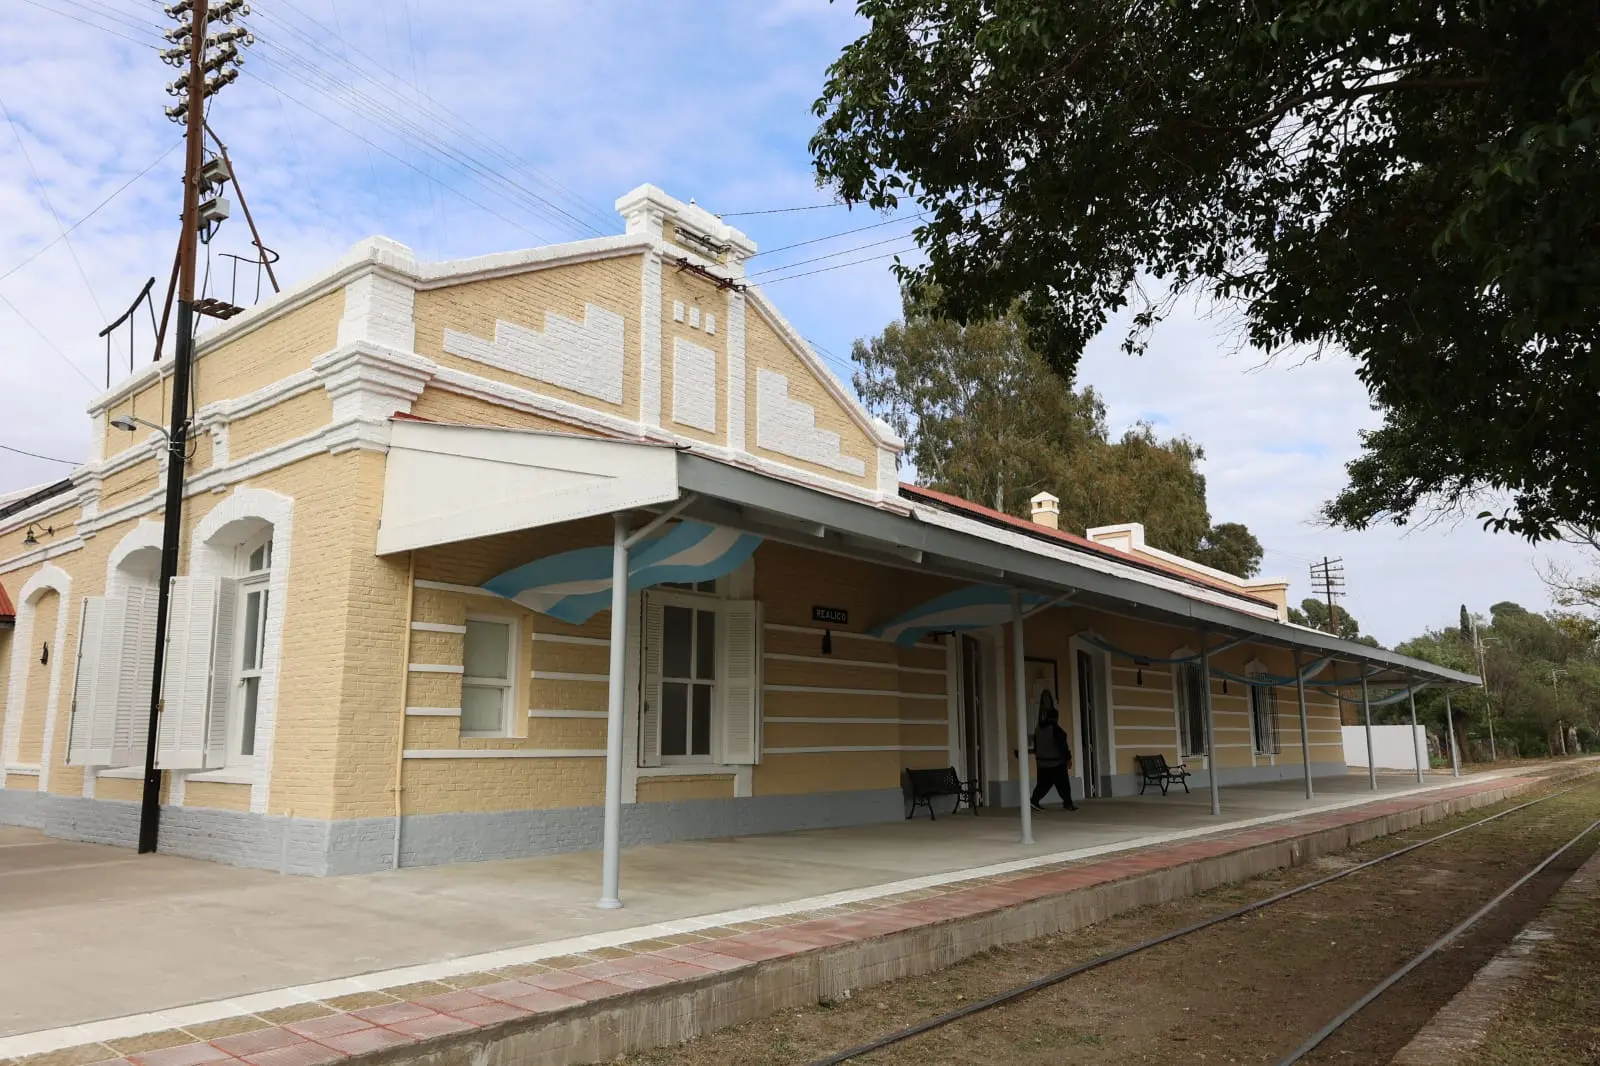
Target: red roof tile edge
[(8, 613), (989, 514)]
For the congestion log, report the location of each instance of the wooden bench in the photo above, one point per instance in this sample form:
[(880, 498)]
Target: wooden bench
[(924, 785), (1155, 770)]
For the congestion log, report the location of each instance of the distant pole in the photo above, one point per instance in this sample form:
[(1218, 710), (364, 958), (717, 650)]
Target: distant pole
[(1305, 725), (1212, 757), (1372, 757), (1483, 676), (1417, 754), (1450, 727)]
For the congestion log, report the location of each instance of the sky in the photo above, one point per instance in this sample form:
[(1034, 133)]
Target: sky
[(472, 126)]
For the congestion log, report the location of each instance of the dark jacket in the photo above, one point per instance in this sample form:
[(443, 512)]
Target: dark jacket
[(1050, 745)]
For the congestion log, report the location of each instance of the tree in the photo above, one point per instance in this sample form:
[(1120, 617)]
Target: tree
[(1571, 587), (984, 417), (1413, 183), (1314, 613)]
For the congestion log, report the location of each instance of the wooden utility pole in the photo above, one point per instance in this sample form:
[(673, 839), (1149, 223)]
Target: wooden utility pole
[(193, 42)]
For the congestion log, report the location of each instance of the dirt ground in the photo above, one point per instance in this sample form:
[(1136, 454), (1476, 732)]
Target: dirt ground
[(1245, 991)]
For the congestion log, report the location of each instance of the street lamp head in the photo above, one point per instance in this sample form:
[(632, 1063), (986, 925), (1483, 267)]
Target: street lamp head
[(125, 423)]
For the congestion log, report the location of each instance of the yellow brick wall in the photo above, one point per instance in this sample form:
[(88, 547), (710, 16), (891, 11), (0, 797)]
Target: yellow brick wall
[(765, 349), (296, 417), (440, 406), (46, 611), (269, 353), (693, 291), (701, 786), (523, 299)]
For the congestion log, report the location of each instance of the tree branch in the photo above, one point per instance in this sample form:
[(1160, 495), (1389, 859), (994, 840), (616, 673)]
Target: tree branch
[(1352, 92)]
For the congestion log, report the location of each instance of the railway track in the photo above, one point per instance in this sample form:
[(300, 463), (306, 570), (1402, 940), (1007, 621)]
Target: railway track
[(1315, 1040)]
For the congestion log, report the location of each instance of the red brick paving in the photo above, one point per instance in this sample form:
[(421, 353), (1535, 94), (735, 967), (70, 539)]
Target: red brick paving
[(330, 1039)]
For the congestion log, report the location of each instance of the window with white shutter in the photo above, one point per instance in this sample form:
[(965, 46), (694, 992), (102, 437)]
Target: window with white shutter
[(740, 706), (81, 748), (192, 733), (129, 710)]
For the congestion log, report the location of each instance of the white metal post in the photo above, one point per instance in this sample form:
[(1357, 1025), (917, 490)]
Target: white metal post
[(1305, 725), (1372, 758), (1450, 728), (1019, 681), (1212, 758), (1411, 695), (611, 847)]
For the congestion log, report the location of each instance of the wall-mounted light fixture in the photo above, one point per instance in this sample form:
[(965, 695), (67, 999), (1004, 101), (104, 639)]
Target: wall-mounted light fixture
[(31, 539), (1139, 673), (44, 652), (131, 424)]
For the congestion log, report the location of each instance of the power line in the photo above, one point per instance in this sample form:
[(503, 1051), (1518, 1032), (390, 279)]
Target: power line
[(86, 22), (842, 233), (36, 455), (92, 211), (44, 192), (840, 266), (831, 255), (782, 210), (28, 322)]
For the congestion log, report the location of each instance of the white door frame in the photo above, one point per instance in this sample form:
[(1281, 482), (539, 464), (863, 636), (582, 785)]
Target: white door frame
[(1106, 727)]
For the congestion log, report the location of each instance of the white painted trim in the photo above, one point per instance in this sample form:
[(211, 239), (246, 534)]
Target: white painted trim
[(853, 747), (227, 775), (834, 660), (561, 675), (48, 578), (940, 696), (435, 668), (1149, 728), (437, 627), (31, 769), (433, 712), (445, 586), (558, 638), (539, 713), (856, 721), (505, 753)]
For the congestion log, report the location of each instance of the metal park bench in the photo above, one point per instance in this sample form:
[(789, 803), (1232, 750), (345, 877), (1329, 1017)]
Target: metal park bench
[(926, 784), (1155, 771)]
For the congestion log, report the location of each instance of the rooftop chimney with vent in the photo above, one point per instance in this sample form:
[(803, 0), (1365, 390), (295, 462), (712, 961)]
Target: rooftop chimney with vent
[(1047, 510)]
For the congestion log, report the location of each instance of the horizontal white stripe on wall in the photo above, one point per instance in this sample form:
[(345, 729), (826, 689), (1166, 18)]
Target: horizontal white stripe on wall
[(857, 721), (561, 638), (505, 753), (437, 627), (1148, 728), (434, 712), (1155, 690), (557, 675), (565, 714), (434, 668), (855, 692), (445, 586), (834, 660), (778, 627), (854, 747)]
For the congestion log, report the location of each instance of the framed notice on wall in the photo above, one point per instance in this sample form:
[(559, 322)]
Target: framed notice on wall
[(1042, 676)]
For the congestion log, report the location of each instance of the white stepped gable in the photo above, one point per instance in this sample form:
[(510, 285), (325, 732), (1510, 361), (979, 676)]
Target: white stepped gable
[(582, 357), (694, 385), (789, 427)]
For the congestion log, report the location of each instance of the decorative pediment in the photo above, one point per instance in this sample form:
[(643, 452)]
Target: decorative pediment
[(583, 357), (789, 427)]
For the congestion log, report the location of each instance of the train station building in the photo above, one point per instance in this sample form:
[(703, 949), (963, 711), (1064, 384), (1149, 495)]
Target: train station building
[(477, 551)]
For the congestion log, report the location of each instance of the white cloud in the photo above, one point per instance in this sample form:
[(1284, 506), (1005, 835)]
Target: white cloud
[(582, 102)]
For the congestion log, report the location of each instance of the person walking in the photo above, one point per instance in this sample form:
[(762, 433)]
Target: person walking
[(1052, 755)]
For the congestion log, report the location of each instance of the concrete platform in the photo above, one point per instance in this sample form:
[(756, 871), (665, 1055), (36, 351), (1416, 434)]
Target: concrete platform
[(103, 948)]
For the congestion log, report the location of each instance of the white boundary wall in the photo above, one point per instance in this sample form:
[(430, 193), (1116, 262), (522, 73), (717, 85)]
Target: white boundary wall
[(1395, 746)]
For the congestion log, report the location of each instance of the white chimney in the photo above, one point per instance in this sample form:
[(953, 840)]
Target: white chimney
[(1047, 510)]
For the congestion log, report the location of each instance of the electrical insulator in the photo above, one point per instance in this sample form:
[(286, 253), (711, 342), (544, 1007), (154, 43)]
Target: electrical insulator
[(177, 112), (177, 88), (179, 33), (174, 57), (175, 10)]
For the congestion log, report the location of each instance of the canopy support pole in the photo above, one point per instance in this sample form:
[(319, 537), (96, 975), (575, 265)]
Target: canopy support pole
[(1450, 728), (1211, 733), (1411, 694), (1372, 758), (1019, 682), (1305, 726), (611, 847)]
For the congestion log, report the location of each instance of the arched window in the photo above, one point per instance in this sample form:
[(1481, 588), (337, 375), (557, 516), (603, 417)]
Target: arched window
[(254, 568)]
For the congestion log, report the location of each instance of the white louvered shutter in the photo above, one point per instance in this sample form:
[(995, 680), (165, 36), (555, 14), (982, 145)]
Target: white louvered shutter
[(741, 682), (222, 671), (184, 732), (80, 740), (129, 709), (650, 703)]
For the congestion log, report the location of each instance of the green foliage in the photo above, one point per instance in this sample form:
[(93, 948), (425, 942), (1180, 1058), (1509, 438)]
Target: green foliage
[(1314, 613), (1542, 671), (1414, 183), (984, 417)]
